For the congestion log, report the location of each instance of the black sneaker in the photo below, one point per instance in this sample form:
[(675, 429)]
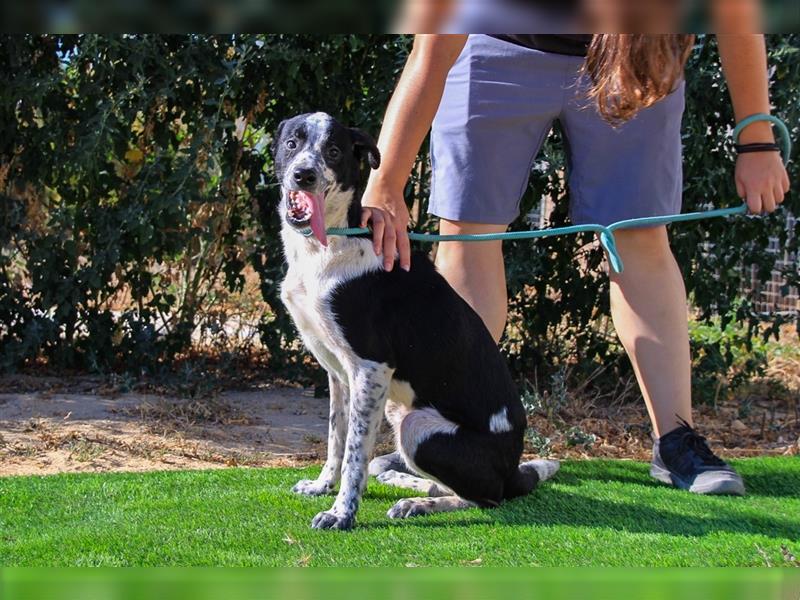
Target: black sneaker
[(682, 458)]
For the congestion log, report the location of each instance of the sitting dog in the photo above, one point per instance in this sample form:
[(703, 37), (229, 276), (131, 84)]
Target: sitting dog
[(401, 341)]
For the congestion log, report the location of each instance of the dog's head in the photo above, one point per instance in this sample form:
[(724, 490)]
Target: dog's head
[(318, 165)]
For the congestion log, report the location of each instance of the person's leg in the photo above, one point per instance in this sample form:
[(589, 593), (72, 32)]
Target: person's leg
[(476, 271), (630, 171), (497, 107), (648, 305)]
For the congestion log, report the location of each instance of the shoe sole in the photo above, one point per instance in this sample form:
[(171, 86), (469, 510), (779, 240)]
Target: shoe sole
[(721, 487)]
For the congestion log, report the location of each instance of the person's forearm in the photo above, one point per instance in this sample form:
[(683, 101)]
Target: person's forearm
[(744, 63), (413, 105)]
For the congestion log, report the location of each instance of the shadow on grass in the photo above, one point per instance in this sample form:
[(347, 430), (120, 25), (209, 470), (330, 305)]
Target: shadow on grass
[(762, 478), (768, 479), (559, 505), (546, 508), (605, 472)]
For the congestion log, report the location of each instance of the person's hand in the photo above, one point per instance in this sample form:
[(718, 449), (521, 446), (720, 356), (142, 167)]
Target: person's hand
[(761, 180), (388, 213)]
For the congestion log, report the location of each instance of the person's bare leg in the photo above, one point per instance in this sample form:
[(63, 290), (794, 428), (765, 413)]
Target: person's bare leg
[(476, 271), (648, 305)]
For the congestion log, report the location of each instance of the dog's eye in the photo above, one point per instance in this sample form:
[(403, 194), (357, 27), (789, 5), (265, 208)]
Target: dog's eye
[(291, 144), (334, 152)]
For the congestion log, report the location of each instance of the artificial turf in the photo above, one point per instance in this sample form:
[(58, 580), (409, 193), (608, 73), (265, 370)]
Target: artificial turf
[(595, 512)]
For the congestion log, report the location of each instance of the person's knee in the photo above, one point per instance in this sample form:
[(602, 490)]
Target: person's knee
[(476, 271), (470, 256), (448, 227), (465, 261), (643, 238), (644, 245)]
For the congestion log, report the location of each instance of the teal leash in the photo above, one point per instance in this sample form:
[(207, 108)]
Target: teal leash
[(606, 232)]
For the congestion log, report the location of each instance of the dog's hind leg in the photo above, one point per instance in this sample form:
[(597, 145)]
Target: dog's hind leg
[(388, 462), (475, 465), (395, 413), (368, 387), (337, 431), (412, 507), (433, 445), (412, 482)]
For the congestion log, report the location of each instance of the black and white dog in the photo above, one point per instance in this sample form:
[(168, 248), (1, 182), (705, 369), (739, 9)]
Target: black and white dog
[(400, 341)]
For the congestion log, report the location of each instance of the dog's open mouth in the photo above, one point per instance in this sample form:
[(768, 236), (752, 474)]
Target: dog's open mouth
[(299, 209), (304, 209)]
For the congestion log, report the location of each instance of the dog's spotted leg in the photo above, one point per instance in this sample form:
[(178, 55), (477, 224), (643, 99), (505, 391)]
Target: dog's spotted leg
[(411, 482), (337, 431), (368, 387), (412, 507)]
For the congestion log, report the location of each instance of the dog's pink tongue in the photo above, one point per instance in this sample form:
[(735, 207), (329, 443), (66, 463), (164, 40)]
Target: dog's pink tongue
[(317, 202)]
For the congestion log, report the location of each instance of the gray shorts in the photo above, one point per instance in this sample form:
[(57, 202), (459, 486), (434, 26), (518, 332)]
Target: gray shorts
[(499, 103)]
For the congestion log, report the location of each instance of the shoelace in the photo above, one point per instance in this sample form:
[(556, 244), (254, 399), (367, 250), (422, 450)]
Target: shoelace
[(695, 442)]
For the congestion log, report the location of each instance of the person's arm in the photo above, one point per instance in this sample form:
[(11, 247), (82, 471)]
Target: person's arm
[(760, 177), (422, 16), (405, 125)]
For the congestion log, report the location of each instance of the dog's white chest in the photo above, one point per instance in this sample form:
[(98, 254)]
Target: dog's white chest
[(313, 276), (303, 295), (314, 320)]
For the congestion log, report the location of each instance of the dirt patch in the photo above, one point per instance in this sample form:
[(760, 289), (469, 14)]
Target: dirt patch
[(51, 425), (763, 429), (43, 432)]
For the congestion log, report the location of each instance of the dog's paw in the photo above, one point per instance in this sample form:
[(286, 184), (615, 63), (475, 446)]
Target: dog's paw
[(330, 520), (312, 487), (411, 507)]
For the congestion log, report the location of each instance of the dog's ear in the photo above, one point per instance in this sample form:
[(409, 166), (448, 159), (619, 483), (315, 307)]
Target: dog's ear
[(277, 136), (365, 146)]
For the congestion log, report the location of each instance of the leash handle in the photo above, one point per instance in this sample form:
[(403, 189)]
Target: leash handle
[(606, 233), (783, 132)]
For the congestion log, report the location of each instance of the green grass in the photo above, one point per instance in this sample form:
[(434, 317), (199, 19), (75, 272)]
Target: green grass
[(594, 513)]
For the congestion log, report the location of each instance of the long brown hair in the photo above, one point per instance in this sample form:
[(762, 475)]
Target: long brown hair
[(630, 72)]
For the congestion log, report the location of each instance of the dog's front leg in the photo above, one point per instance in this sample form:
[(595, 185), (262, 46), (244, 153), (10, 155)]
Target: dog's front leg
[(368, 387), (337, 431)]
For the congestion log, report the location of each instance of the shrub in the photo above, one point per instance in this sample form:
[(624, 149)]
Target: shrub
[(136, 187)]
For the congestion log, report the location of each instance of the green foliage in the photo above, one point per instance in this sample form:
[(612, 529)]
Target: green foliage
[(713, 276), (724, 357), (538, 443), (551, 400), (135, 186), (578, 437), (134, 172)]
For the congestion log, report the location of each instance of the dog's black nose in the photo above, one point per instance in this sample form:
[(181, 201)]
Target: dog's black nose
[(305, 177)]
